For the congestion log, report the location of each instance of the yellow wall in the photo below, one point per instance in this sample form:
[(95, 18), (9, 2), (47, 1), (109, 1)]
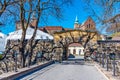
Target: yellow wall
[(76, 34)]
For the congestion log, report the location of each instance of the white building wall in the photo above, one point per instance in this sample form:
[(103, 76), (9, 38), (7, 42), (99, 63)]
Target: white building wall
[(77, 50), (2, 42)]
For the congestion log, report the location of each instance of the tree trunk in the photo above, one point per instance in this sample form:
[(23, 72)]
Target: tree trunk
[(23, 61), (6, 66), (23, 58), (64, 57)]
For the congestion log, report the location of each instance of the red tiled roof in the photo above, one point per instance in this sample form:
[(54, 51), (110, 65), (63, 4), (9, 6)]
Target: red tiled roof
[(42, 29), (75, 45), (67, 29), (53, 27)]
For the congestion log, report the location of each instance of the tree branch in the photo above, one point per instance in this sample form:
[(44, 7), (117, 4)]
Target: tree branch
[(111, 19)]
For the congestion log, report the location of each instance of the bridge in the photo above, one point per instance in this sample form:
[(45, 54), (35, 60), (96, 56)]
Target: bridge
[(72, 69)]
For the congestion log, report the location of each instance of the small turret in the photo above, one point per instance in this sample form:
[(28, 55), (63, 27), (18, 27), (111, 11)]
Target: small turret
[(76, 20), (76, 23)]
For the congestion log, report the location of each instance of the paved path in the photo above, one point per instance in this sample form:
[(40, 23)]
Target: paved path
[(69, 70)]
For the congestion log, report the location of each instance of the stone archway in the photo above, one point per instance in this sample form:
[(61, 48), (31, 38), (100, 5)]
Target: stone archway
[(64, 39)]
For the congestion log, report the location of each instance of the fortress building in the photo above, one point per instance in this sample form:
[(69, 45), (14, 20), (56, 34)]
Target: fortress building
[(89, 24)]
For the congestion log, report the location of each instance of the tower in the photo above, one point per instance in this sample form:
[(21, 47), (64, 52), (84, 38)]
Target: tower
[(76, 23), (33, 20)]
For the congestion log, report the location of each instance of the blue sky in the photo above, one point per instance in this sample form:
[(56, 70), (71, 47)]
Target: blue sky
[(70, 13)]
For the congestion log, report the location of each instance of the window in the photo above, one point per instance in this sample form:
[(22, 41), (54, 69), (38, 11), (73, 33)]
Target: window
[(79, 51), (89, 25), (74, 51)]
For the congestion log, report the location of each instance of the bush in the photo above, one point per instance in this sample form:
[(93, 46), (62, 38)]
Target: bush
[(1, 56)]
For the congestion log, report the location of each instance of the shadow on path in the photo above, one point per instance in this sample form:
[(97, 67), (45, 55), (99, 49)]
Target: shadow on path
[(73, 60), (71, 56)]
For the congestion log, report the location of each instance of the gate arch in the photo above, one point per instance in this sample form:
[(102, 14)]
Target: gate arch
[(64, 39)]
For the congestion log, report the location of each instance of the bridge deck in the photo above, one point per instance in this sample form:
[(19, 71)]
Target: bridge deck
[(68, 70)]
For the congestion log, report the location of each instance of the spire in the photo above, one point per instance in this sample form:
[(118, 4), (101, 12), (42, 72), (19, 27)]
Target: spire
[(76, 20), (33, 17)]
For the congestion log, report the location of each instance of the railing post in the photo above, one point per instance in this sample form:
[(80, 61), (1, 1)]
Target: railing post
[(114, 63), (103, 60), (107, 61), (100, 59)]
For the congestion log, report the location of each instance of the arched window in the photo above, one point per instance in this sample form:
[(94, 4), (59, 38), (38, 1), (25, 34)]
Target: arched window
[(69, 51), (79, 51), (74, 51)]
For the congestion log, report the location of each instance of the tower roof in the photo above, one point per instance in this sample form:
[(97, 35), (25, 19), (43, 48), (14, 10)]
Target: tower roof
[(76, 20)]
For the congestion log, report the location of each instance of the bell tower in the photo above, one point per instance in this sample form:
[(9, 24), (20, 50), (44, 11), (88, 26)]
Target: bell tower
[(76, 23)]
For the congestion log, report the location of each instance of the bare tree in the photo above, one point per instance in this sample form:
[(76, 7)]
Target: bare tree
[(5, 3), (26, 8), (105, 11), (6, 10), (82, 37)]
